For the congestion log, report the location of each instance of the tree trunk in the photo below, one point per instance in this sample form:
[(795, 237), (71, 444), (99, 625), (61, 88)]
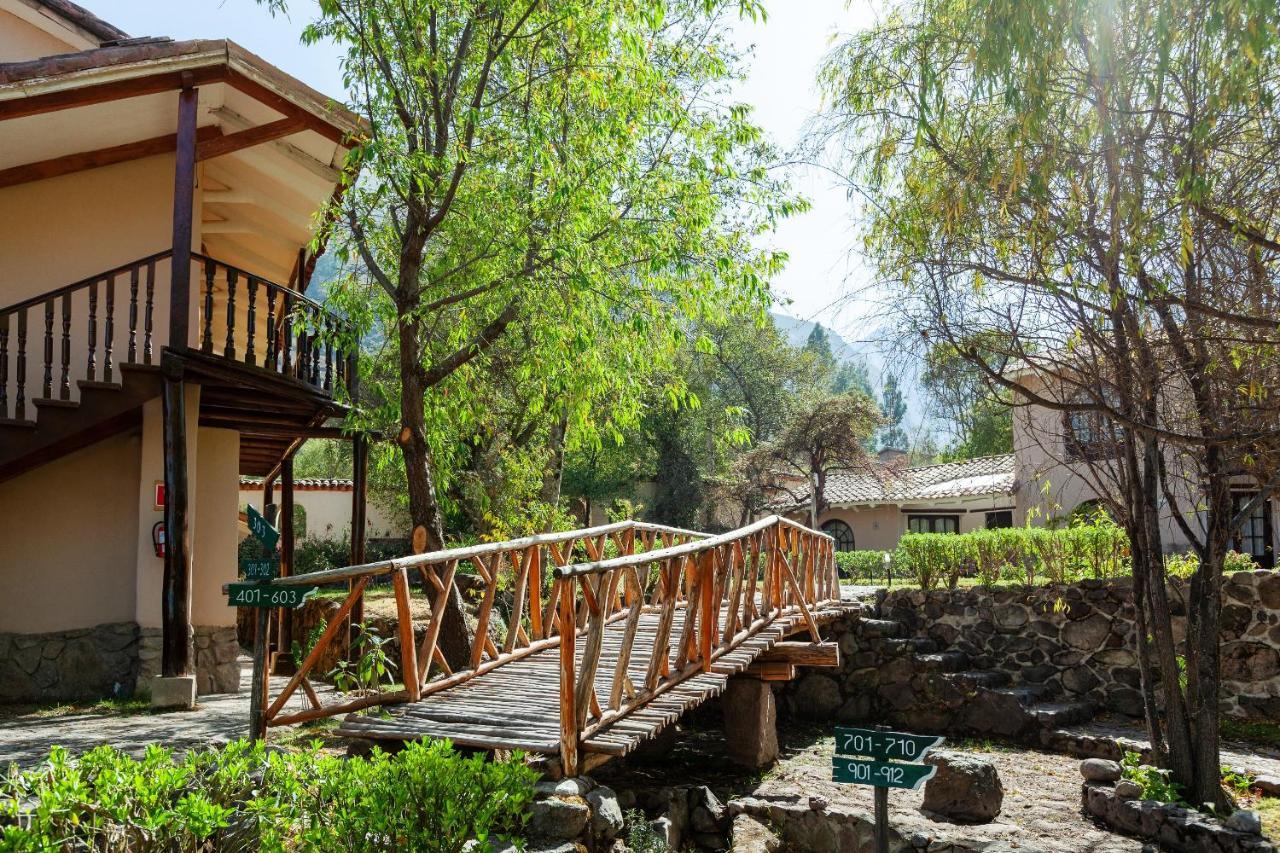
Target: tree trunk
[(553, 477), (424, 507)]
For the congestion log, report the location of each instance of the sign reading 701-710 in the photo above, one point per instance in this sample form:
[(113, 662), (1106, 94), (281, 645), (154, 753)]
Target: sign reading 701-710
[(884, 745)]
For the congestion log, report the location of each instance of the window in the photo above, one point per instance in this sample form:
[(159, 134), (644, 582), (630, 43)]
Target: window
[(841, 532), (933, 523), (1254, 536), (1090, 434), (999, 518)]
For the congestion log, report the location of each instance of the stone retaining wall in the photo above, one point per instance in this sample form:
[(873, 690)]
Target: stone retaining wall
[(63, 665), (1077, 639)]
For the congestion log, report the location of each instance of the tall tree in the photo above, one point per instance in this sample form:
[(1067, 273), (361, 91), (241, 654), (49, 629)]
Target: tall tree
[(1091, 185), (895, 409), (818, 346), (824, 434), (569, 169)]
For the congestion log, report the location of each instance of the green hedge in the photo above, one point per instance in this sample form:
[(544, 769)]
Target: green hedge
[(1027, 555), (860, 565), (426, 797)]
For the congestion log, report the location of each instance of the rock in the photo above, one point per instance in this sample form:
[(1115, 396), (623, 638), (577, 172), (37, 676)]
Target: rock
[(1245, 820), (1080, 679), (606, 813), (577, 786), (1269, 785), (1008, 617), (1087, 633), (1250, 662), (1127, 789), (707, 813), (1100, 770), (965, 788), (817, 696), (556, 819), (666, 832)]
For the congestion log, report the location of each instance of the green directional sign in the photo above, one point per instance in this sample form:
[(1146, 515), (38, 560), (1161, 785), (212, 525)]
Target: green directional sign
[(261, 530), (262, 595), (265, 569), (884, 745), (882, 774)]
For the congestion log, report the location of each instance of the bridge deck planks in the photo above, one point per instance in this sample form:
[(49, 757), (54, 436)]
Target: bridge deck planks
[(516, 706)]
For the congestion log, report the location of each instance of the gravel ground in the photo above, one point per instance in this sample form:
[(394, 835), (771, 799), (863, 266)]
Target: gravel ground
[(1041, 790)]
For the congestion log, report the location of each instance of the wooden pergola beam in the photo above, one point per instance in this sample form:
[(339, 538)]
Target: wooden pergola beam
[(70, 163), (241, 139), (101, 93)]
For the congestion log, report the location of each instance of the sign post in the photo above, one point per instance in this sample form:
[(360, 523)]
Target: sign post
[(258, 592), (881, 758)]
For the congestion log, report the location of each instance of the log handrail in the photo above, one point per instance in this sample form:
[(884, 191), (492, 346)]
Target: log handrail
[(725, 589)]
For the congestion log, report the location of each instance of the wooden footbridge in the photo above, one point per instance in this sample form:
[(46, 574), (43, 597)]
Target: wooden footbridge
[(588, 642)]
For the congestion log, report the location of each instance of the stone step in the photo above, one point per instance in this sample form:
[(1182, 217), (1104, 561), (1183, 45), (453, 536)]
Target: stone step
[(1054, 714), (988, 678), (942, 661), (919, 645), (877, 628), (1026, 694)]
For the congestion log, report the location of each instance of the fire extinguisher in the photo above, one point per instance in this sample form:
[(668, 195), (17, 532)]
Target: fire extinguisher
[(157, 538)]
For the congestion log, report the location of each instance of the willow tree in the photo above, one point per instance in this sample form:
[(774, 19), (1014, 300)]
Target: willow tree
[(1088, 187), (565, 174)]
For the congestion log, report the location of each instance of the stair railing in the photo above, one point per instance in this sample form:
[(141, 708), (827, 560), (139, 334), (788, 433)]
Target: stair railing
[(84, 332), (73, 334)]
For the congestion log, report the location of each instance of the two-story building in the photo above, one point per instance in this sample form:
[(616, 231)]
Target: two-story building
[(157, 199)]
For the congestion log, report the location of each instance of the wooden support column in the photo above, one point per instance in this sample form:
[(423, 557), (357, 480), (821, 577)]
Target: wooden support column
[(284, 664), (184, 182), (359, 510), (176, 586)]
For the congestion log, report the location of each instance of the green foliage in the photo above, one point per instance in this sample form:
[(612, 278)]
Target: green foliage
[(1026, 555), (860, 565), (981, 423), (1155, 782), (426, 798), (641, 836), (895, 409), (312, 554), (372, 666)]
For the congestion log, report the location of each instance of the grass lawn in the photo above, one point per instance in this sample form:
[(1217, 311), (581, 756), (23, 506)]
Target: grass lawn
[(99, 707), (1257, 734)]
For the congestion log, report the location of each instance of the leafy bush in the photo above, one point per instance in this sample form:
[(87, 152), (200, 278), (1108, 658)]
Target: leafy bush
[(426, 797), (859, 565), (1154, 781), (927, 556)]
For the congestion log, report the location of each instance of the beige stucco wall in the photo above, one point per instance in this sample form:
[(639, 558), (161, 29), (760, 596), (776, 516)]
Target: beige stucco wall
[(69, 547), (216, 498), (878, 528), (20, 41), (329, 513)]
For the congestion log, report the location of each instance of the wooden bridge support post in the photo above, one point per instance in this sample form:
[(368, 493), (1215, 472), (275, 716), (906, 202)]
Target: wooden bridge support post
[(569, 732), (750, 722)]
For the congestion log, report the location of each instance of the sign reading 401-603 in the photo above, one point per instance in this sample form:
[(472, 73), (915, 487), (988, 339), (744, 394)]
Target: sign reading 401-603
[(265, 595)]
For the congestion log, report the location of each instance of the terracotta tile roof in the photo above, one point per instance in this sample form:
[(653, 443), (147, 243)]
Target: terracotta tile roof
[(986, 475), (312, 484), (81, 17)]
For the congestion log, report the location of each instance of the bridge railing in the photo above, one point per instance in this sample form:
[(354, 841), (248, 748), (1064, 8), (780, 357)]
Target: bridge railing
[(725, 589), (520, 611)]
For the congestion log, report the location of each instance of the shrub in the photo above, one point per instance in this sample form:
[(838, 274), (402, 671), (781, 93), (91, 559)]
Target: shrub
[(859, 565), (927, 556), (426, 797)]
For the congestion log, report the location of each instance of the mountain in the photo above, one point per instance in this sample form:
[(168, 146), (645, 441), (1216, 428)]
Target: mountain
[(796, 331)]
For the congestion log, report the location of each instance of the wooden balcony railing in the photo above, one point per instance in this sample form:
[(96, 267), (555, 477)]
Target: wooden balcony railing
[(721, 590), (86, 331)]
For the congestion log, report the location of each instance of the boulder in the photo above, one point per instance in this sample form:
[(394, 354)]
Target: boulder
[(1269, 785), (1245, 820), (557, 818), (817, 697), (1100, 770), (1087, 633), (606, 813), (1127, 789), (965, 788), (751, 836)]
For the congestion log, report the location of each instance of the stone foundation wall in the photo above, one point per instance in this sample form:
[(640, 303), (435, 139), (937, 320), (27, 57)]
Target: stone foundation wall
[(64, 665), (1076, 640), (215, 652)]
